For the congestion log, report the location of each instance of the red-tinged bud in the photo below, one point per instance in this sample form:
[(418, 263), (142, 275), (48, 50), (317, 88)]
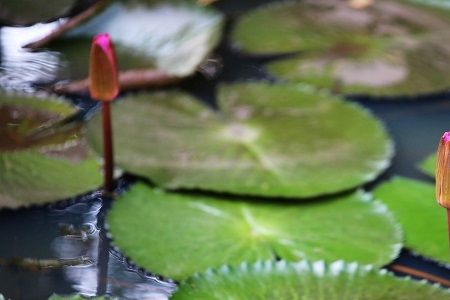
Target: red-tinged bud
[(103, 72), (443, 171)]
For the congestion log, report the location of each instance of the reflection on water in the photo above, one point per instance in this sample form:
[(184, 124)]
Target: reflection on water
[(69, 234), (133, 284), (21, 68)]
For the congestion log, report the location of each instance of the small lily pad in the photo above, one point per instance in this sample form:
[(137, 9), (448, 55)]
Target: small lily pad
[(175, 36), (304, 280), (267, 140), (424, 222), (186, 234), (39, 164), (26, 12), (392, 48), (428, 166)]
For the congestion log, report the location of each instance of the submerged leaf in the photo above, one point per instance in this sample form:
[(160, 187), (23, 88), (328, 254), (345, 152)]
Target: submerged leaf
[(413, 204), (39, 163), (392, 48), (22, 118), (188, 234), (268, 140), (304, 280)]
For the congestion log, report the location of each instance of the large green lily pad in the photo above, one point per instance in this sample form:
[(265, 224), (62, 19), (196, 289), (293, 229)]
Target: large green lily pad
[(39, 164), (267, 140), (23, 12), (390, 48), (178, 235), (424, 222), (175, 36), (304, 280)]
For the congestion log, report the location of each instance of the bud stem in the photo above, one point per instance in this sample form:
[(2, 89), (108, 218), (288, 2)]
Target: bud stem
[(107, 147)]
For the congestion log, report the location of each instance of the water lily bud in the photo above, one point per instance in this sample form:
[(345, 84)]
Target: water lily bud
[(103, 73), (443, 171)]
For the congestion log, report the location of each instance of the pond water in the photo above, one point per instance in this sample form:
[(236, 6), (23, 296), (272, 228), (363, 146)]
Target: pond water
[(38, 245), (35, 240)]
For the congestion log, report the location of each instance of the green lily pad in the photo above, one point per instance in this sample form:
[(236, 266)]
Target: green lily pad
[(175, 36), (392, 48), (428, 166), (424, 222), (186, 234), (304, 280), (39, 164), (25, 12), (268, 140)]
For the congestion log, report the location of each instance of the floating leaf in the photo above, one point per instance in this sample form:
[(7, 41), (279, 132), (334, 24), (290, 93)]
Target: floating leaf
[(25, 12), (393, 48), (428, 166), (39, 164), (76, 53), (176, 36), (413, 204), (304, 280), (188, 234), (268, 140)]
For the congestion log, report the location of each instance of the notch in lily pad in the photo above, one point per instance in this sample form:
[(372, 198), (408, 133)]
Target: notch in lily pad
[(104, 87)]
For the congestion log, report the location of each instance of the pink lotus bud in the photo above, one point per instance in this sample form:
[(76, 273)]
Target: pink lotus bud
[(103, 72), (443, 171)]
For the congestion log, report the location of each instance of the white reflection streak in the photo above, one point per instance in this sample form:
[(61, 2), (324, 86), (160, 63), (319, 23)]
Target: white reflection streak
[(84, 278), (20, 67)]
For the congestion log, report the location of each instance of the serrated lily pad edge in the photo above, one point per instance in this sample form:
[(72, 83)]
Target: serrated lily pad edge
[(320, 268)]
